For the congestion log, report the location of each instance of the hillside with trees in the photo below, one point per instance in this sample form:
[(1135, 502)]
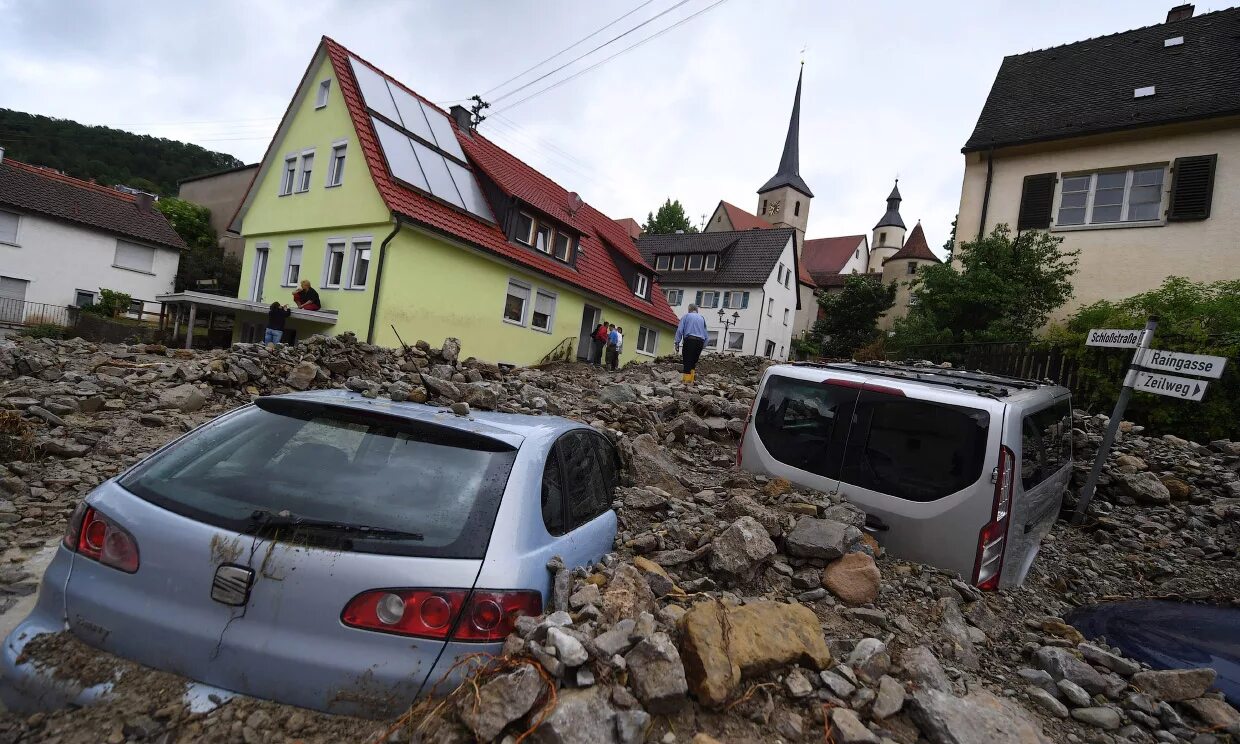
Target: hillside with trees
[(109, 156)]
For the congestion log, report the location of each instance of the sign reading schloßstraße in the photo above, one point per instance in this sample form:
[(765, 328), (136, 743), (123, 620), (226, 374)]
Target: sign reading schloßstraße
[(1184, 388), (1117, 338), (1175, 361)]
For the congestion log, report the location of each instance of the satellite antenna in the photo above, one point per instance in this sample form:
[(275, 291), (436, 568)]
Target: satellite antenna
[(574, 203)]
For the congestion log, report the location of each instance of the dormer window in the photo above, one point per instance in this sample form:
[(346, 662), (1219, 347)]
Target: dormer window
[(543, 237), (711, 261), (662, 263), (563, 246), (695, 263), (642, 286), (524, 232), (678, 263)]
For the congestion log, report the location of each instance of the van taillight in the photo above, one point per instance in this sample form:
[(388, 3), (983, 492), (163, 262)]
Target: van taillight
[(992, 539), (431, 613), (93, 535)]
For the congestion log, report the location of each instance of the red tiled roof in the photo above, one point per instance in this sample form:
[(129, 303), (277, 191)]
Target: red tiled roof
[(915, 247), (595, 270), (828, 255), (31, 188), (742, 220), (632, 226)]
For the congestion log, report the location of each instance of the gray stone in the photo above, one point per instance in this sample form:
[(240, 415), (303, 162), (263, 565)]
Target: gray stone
[(1144, 488), (846, 513), (580, 716), (924, 670), (1060, 663), (838, 686), (451, 350), (656, 673), (460, 408), (46, 415), (185, 398), (956, 634), (797, 684), (869, 659), (437, 386), (742, 548), (1074, 694), (302, 376), (977, 718), (588, 594), (615, 641), (1047, 702), (821, 538), (631, 726), (618, 393), (501, 700), (568, 649), (1103, 718), (1174, 685), (890, 698), (846, 728), (481, 395), (399, 391), (745, 506), (1039, 678)]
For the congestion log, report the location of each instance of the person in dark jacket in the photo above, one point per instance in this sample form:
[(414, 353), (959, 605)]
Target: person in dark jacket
[(306, 297), (276, 316), (598, 341)]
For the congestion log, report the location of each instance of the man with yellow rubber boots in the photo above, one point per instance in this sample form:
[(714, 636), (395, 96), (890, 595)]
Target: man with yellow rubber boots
[(690, 339)]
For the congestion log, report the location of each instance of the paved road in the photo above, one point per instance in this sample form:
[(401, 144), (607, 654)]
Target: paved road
[(1171, 635)]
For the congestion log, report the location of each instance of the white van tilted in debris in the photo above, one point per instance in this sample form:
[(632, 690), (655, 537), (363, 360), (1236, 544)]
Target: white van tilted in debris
[(959, 470)]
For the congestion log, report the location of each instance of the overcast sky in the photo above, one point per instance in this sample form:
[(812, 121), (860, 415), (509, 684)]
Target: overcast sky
[(698, 114)]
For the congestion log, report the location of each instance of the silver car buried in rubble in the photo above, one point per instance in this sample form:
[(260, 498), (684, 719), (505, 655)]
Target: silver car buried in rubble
[(322, 549)]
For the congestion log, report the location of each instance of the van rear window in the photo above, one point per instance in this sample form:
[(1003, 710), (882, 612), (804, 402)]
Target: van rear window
[(914, 449), (1045, 442), (805, 424)]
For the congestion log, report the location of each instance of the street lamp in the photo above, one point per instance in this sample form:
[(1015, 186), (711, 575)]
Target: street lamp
[(727, 323)]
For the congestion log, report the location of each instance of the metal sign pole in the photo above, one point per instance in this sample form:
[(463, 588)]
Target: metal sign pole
[(1104, 449)]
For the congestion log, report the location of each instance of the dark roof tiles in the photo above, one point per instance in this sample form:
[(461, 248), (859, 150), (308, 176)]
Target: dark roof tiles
[(746, 257)]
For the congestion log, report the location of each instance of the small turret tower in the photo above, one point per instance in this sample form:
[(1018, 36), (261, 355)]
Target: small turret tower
[(888, 233)]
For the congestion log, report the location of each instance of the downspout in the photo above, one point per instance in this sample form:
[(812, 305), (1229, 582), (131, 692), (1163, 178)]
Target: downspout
[(374, 302), (981, 227)]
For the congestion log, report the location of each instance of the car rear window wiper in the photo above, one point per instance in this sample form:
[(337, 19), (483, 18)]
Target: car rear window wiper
[(263, 520)]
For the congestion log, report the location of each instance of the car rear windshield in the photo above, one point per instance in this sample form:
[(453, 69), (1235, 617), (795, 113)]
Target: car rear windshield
[(1045, 442), (425, 489)]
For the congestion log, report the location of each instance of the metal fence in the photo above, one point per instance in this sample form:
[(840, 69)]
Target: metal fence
[(16, 313)]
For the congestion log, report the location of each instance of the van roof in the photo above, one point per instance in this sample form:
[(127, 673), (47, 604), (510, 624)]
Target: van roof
[(966, 381)]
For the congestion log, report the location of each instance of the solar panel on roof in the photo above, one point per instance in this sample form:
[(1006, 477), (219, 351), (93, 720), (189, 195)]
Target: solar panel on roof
[(398, 149), (436, 169), (468, 186), (375, 91), (411, 113), (445, 137)]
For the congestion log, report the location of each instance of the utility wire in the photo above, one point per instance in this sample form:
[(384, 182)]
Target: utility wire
[(604, 61), (570, 46), (592, 51)]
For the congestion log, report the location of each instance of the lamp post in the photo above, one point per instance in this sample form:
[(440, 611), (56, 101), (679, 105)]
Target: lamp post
[(727, 323)]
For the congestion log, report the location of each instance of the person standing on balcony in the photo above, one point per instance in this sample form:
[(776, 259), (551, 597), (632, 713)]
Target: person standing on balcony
[(276, 316), (691, 335)]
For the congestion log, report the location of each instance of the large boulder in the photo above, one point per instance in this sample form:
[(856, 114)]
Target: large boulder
[(742, 505), (651, 465), (741, 549), (1215, 714), (618, 393), (1174, 685), (1143, 488), (656, 674), (821, 538), (302, 376), (451, 350), (185, 398), (500, 701), (721, 645), (924, 670), (977, 718), (1061, 663), (853, 578), (580, 716), (627, 595)]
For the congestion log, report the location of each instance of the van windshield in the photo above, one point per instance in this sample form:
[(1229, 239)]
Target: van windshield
[(423, 489)]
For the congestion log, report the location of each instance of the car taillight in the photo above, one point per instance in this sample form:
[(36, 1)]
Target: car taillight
[(431, 613), (93, 535), (992, 539)]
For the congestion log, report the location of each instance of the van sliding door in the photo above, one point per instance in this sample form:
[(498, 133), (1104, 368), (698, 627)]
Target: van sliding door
[(804, 425)]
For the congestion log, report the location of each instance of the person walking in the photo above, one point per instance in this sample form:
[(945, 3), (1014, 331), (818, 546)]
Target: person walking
[(599, 342), (690, 339), (613, 352), (306, 297), (276, 316)]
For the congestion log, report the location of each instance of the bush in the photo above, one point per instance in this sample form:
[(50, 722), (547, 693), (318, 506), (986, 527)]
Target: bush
[(111, 304), (44, 330)]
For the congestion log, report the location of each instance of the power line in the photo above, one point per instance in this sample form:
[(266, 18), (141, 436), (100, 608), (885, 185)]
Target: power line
[(604, 61), (570, 46), (592, 51)]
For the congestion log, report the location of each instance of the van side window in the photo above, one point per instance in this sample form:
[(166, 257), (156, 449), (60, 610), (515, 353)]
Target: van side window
[(805, 424), (553, 494), (588, 487), (914, 449), (1045, 443)]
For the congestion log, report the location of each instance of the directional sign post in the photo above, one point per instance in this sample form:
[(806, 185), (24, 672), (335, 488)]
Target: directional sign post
[(1116, 338), (1174, 361), (1184, 388)]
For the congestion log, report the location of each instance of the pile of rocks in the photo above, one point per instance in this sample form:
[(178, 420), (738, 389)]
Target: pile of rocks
[(733, 606)]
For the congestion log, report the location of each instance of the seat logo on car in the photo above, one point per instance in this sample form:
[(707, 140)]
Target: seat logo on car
[(232, 584)]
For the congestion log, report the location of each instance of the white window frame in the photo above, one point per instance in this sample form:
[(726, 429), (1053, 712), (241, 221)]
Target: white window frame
[(642, 288), (288, 262), (695, 262), (288, 177), (678, 294), (262, 250), (525, 304), (1125, 204), (678, 263), (335, 247), (787, 312), (548, 248), (770, 307), (555, 246), (304, 177), (740, 346), (779, 277), (740, 299), (77, 294), (714, 294), (335, 164), (320, 96), (769, 351), (356, 246), (712, 339), (662, 263), (17, 229), (711, 262), (550, 316), (528, 238), (116, 255), (650, 338)]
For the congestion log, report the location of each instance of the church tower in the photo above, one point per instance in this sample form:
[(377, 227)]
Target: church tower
[(784, 200), (888, 233)]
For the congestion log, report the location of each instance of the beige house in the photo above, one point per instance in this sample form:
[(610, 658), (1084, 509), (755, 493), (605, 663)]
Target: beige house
[(221, 192), (1127, 146)]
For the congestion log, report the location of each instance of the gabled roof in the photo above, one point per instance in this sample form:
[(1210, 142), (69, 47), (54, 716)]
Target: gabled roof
[(746, 257), (30, 188), (914, 247), (742, 220), (789, 173), (825, 257), (1087, 87), (595, 270)]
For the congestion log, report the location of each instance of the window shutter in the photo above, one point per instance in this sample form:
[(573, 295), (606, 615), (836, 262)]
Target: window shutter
[(1192, 188), (1036, 197), (698, 299), (744, 300)]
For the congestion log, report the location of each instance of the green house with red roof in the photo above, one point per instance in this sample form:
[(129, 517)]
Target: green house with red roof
[(411, 224)]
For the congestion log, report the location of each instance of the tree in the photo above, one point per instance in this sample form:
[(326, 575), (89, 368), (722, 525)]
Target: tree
[(950, 245), (850, 316), (999, 288), (670, 218), (205, 258)]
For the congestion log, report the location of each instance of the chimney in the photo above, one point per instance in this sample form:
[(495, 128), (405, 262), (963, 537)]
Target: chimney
[(462, 117), (144, 201), (1180, 12)]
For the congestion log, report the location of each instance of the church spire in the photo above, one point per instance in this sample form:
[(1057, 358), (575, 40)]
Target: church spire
[(790, 162), (892, 216)]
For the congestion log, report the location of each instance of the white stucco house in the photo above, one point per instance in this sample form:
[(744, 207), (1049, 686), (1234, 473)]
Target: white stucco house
[(63, 239), (750, 276)]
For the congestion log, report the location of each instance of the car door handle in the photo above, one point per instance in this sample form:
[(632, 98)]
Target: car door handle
[(874, 524)]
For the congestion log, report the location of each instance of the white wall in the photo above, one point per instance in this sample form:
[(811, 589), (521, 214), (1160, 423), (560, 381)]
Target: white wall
[(757, 326), (58, 259)]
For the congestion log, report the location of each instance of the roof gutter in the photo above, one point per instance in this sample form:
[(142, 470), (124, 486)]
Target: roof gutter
[(990, 174), (374, 301)]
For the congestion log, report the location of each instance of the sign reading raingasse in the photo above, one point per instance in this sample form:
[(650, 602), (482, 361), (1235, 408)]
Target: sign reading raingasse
[(1175, 361), (1116, 338)]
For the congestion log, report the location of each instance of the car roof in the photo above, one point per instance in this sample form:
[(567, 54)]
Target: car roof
[(967, 382), (511, 428)]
